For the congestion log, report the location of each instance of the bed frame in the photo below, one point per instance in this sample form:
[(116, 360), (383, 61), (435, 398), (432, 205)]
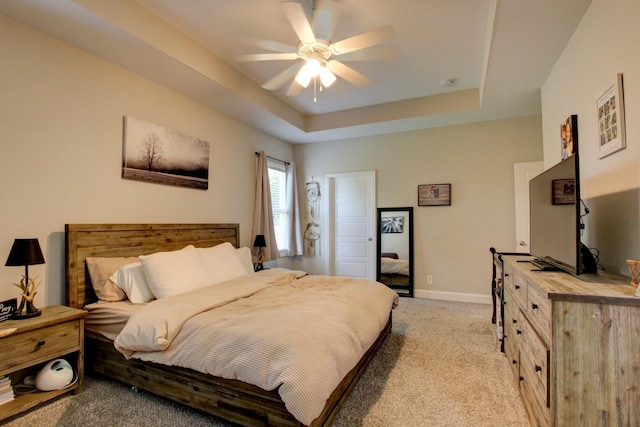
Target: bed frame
[(233, 400)]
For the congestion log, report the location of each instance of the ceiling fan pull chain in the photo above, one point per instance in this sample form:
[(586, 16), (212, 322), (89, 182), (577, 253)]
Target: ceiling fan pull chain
[(315, 97)]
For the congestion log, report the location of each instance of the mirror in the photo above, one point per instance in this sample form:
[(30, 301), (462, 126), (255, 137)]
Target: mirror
[(395, 249)]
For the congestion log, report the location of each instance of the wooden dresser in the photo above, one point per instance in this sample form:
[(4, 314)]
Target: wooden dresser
[(573, 344)]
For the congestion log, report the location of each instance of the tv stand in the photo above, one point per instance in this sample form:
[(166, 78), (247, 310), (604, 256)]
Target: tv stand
[(543, 265)]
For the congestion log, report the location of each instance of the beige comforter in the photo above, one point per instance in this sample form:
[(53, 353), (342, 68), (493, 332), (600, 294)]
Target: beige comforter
[(275, 329)]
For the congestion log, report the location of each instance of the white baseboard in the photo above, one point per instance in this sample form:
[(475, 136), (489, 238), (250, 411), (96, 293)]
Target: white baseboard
[(453, 296)]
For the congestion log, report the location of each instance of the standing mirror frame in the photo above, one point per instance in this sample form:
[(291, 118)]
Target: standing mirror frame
[(394, 266)]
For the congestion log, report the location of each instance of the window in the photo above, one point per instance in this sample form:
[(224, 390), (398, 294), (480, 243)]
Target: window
[(281, 216)]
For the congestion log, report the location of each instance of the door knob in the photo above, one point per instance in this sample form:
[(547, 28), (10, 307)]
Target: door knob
[(521, 243), (370, 239)]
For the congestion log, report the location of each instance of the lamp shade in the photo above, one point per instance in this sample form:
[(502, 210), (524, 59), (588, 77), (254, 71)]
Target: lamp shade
[(259, 242), (25, 252)]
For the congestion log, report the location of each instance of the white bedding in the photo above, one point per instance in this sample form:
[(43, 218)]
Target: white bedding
[(394, 266), (107, 318), (277, 329)]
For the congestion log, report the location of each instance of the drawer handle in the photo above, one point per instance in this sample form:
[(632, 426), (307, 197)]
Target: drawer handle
[(518, 331), (538, 368), (514, 321), (517, 286), (41, 343), (514, 361), (521, 378), (506, 274), (534, 306)]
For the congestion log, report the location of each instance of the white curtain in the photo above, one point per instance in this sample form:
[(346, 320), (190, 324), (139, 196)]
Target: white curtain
[(262, 211), (295, 232)]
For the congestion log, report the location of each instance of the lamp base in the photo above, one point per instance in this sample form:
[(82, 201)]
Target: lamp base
[(26, 315)]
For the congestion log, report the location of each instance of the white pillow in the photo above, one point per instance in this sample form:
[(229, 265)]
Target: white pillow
[(246, 258), (131, 279), (222, 262), (175, 272)]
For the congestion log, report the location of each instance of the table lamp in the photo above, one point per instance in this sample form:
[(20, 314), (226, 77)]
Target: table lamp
[(26, 252), (259, 243)]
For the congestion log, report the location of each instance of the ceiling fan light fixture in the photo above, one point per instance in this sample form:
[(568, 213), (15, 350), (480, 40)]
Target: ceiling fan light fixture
[(308, 71), (303, 77), (327, 77), (313, 67)]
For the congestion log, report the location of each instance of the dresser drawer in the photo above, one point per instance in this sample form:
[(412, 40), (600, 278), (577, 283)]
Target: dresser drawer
[(39, 344), (512, 328), (516, 285), (513, 356), (539, 310), (534, 371)]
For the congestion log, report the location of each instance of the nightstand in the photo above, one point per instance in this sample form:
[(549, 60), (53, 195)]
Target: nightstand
[(26, 345)]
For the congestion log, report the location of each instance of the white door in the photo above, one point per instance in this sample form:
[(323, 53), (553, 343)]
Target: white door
[(523, 172), (352, 224)]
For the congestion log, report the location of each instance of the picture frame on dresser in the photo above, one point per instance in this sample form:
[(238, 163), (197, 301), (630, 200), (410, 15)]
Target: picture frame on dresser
[(569, 137)]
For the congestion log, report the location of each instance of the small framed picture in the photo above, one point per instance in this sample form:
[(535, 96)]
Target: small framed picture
[(434, 195), (8, 308), (611, 128), (392, 224), (563, 191), (569, 137)]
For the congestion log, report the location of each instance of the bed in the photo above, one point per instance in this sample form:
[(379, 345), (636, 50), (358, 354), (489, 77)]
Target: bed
[(394, 270), (231, 399)]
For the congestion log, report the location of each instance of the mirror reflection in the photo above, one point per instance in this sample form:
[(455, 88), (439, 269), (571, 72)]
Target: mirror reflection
[(395, 249)]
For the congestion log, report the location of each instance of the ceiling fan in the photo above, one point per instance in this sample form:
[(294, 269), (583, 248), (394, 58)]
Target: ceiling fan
[(317, 52)]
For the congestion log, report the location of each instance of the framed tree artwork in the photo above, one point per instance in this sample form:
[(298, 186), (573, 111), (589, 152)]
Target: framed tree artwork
[(153, 153)]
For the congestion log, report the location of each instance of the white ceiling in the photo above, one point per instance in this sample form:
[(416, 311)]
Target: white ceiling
[(498, 51)]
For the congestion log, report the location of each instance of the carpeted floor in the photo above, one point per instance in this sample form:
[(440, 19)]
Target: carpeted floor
[(441, 366)]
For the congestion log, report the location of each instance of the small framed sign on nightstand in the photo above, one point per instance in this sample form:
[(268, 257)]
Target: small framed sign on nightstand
[(8, 308)]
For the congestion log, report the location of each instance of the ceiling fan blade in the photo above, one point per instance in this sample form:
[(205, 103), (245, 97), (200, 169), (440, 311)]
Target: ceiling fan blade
[(298, 19), (378, 53), (347, 73), (294, 89), (280, 79), (270, 45), (325, 19), (361, 41), (266, 57)]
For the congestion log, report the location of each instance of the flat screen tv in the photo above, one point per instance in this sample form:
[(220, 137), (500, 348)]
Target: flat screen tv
[(556, 221)]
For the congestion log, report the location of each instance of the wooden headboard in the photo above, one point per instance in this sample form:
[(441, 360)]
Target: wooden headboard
[(125, 240)]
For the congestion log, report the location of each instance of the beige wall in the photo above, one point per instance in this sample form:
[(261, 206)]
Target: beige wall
[(62, 143), (604, 44), (61, 137), (451, 243)]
